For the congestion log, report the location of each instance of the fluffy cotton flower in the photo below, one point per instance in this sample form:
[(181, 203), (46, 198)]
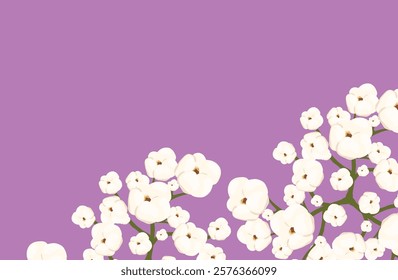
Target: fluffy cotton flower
[(335, 215), (341, 180), (386, 173), (110, 183), (83, 217), (321, 252), (362, 101), (366, 226), (140, 244), (173, 185), (280, 249), (151, 203), (349, 246), (311, 119), (256, 235), (161, 164), (168, 258), (91, 255), (178, 216), (197, 175), (295, 224), (293, 195), (351, 139), (267, 214), (315, 146), (308, 174), (388, 234), (162, 235), (388, 110), (41, 250), (136, 179), (337, 115), (363, 171), (379, 152), (320, 241), (219, 229), (317, 200), (247, 198), (374, 249), (284, 152), (209, 252), (188, 239), (114, 210), (369, 203), (374, 121), (107, 239)]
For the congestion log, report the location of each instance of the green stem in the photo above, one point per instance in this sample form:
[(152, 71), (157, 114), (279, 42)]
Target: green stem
[(336, 162), (363, 233), (110, 258), (321, 230), (174, 196), (379, 131), (277, 208), (385, 208), (137, 228), (392, 256), (153, 240)]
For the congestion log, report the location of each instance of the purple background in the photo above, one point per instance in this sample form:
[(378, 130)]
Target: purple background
[(87, 87)]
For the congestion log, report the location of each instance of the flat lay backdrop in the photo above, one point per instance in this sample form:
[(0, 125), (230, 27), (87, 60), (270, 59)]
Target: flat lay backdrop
[(87, 87)]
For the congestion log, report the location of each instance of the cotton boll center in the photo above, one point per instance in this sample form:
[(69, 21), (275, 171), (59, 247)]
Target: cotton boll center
[(108, 182), (352, 249), (390, 171), (159, 162), (305, 176), (213, 257), (147, 198), (348, 134), (396, 106), (111, 209), (360, 98), (292, 231), (196, 170), (243, 200), (255, 237), (189, 235), (312, 145), (103, 240)]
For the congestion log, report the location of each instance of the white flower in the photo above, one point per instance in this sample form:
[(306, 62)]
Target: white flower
[(374, 249), (386, 173), (91, 255), (285, 152), (197, 175), (374, 121), (219, 229), (114, 210), (280, 248), (110, 183), (256, 235), (173, 185), (136, 179), (388, 234), (341, 180), (388, 110), (178, 216), (295, 224), (335, 215), (308, 174), (209, 252), (321, 252), (188, 239), (160, 165), (293, 195), (317, 200), (362, 101), (168, 258), (351, 139), (363, 171), (337, 115), (349, 246), (311, 119), (247, 198), (379, 152), (140, 244), (107, 239), (267, 214), (315, 146), (320, 241), (83, 217), (369, 203), (396, 202), (366, 226), (41, 250), (162, 235), (151, 203)]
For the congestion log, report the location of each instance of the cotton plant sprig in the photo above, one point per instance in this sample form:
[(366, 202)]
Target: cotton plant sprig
[(351, 138), (150, 201)]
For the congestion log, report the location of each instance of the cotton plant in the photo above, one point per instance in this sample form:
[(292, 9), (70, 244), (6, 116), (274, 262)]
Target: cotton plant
[(351, 138), (152, 201)]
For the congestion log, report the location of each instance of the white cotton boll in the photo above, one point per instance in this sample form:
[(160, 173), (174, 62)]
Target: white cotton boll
[(168, 258), (386, 173), (160, 165), (173, 185), (140, 244), (83, 217), (219, 229), (374, 249), (256, 235), (341, 180), (315, 146), (110, 183), (285, 153), (267, 214), (387, 108), (379, 152), (41, 250), (162, 235), (91, 255), (136, 179), (337, 115), (178, 216), (363, 171), (366, 226), (106, 239), (114, 210), (362, 100), (369, 203), (311, 119), (280, 249), (335, 215), (307, 174), (388, 233), (189, 239), (374, 121), (293, 195), (210, 252), (349, 246), (317, 200)]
